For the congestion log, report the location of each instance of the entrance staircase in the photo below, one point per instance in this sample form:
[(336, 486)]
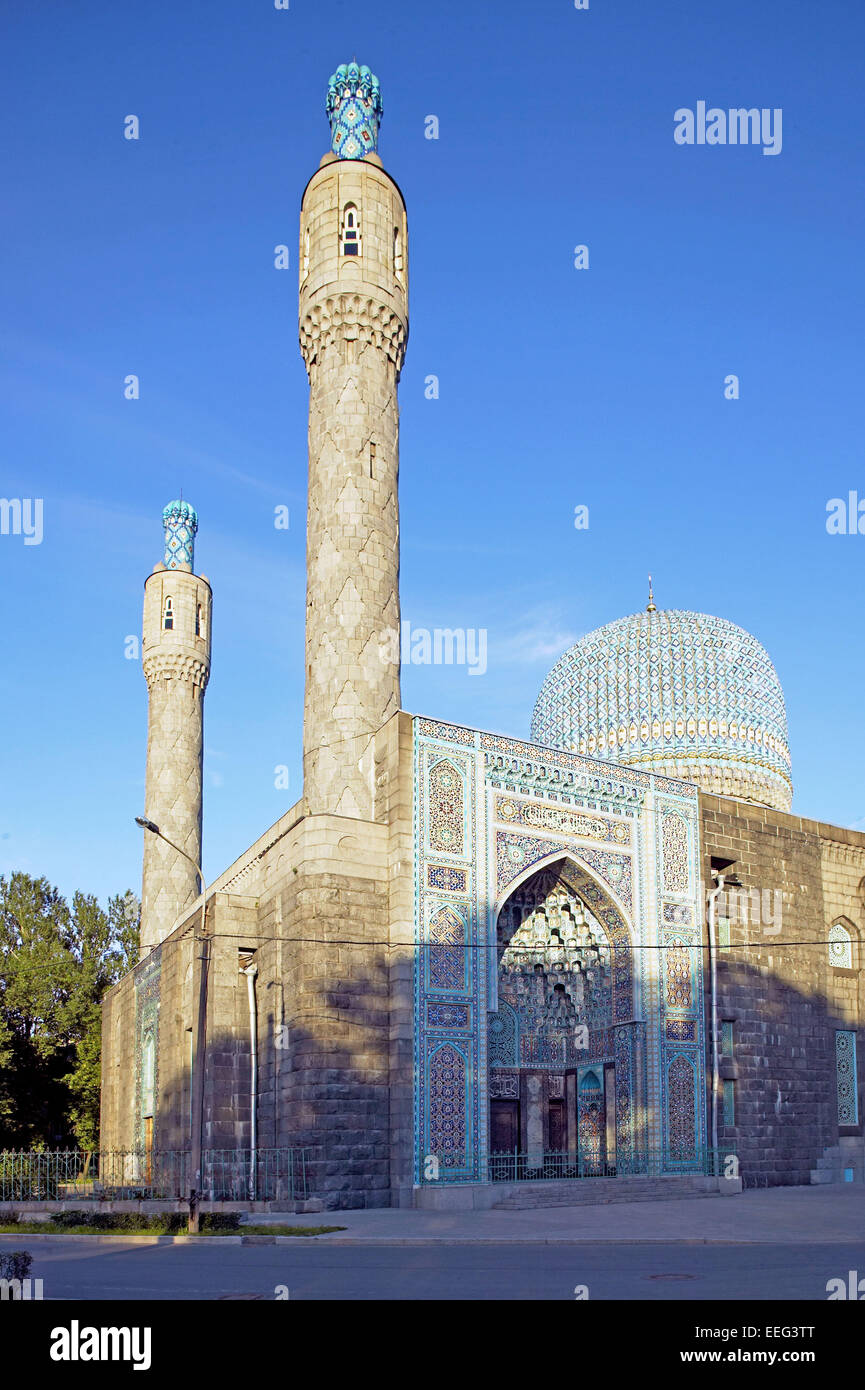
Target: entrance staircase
[(847, 1156), (591, 1191)]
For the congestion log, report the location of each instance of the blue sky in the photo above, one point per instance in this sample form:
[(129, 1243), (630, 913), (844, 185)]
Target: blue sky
[(558, 387)]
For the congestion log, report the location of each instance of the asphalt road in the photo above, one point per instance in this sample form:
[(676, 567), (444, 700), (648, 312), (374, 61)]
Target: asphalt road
[(312, 1270)]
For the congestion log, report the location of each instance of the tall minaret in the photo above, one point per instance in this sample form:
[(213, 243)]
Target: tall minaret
[(353, 331), (176, 663)]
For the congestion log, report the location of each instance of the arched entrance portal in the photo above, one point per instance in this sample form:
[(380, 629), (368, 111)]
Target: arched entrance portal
[(555, 1106)]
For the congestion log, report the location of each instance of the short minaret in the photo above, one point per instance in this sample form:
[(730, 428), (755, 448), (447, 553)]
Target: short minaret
[(176, 663), (353, 331)]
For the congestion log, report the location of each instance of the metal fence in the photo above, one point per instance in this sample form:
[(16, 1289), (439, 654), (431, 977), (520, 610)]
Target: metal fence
[(556, 1165), (226, 1175)]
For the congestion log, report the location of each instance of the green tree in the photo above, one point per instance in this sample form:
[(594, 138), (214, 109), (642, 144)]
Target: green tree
[(55, 966), (105, 946)]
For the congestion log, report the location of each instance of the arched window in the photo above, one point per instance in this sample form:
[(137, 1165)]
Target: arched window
[(168, 615), (350, 230), (840, 947), (305, 271), (199, 620), (398, 263)]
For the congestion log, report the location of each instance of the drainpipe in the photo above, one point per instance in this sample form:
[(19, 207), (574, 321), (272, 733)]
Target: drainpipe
[(713, 992), (250, 972)]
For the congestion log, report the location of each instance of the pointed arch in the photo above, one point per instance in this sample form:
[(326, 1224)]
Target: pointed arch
[(579, 867), (609, 914)]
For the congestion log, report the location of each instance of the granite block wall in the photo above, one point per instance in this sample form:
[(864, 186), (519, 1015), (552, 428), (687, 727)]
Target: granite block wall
[(776, 985)]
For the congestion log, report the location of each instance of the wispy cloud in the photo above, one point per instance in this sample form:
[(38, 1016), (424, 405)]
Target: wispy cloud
[(536, 636)]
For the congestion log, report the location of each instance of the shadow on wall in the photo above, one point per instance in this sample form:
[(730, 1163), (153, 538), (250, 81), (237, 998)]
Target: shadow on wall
[(323, 1081), (785, 1075), (322, 1084)]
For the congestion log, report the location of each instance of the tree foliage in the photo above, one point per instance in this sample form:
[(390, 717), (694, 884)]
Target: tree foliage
[(56, 963)]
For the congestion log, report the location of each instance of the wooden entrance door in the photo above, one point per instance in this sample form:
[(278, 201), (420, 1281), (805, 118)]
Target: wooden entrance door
[(558, 1128), (504, 1126)]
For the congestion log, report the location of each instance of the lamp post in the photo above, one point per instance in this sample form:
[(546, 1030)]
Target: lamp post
[(199, 1029)]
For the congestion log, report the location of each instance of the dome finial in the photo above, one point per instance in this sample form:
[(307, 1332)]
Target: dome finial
[(650, 606)]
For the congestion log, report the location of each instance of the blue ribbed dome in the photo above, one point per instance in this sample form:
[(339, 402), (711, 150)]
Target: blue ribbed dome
[(682, 694)]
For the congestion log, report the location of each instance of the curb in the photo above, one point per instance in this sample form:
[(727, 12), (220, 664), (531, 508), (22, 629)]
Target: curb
[(150, 1240)]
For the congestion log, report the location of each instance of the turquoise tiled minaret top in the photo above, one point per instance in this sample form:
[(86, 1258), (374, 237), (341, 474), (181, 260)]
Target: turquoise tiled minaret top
[(354, 109), (181, 524)]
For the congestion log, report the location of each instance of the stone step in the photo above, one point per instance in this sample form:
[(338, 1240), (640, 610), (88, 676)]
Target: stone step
[(848, 1153), (838, 1173), (592, 1191), (823, 1175)]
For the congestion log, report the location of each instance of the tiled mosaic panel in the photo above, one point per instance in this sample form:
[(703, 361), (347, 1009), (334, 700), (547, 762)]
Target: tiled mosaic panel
[(181, 527), (555, 800), (354, 109), (845, 1078)]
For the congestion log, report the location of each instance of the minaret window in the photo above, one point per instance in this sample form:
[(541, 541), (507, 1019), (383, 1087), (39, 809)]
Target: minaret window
[(350, 230), (199, 621), (168, 615), (397, 253), (305, 255)]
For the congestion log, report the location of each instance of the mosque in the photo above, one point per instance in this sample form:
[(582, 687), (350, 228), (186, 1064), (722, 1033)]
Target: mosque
[(464, 968)]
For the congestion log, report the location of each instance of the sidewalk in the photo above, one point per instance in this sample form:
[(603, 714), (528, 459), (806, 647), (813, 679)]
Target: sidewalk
[(780, 1215), (830, 1215)]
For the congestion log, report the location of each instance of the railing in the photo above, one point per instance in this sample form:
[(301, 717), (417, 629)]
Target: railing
[(556, 1165), (279, 1173), (64, 1175)]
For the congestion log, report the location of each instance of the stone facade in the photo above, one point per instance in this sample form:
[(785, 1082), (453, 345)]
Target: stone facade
[(779, 991), (327, 903)]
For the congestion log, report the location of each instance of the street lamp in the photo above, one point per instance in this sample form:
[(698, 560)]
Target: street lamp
[(199, 1027)]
